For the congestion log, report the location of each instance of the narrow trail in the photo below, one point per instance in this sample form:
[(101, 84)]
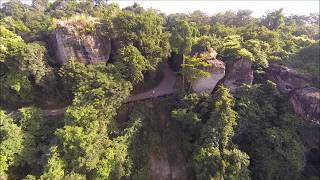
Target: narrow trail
[(51, 112), (165, 87)]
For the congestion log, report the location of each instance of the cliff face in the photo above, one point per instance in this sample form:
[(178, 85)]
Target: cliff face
[(89, 46), (304, 98), (287, 79), (216, 70), (207, 84), (240, 73), (306, 102)]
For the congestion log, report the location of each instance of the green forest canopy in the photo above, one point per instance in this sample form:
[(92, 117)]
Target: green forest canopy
[(89, 143)]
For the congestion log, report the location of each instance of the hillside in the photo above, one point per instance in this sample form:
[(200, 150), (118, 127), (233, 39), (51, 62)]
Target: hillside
[(93, 91)]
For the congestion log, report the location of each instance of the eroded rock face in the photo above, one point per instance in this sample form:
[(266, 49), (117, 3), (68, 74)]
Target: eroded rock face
[(304, 98), (240, 73), (207, 84), (306, 102), (287, 79), (87, 47), (216, 70)]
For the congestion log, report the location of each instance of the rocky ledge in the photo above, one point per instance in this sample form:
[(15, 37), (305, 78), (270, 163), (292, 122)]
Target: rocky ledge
[(304, 98), (240, 73), (80, 38)]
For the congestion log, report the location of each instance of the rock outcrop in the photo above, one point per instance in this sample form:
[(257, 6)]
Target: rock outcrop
[(239, 73), (304, 98), (306, 103), (216, 70), (287, 79), (80, 38)]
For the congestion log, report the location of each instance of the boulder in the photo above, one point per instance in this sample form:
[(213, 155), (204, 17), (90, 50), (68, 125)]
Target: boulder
[(287, 79), (239, 73), (207, 84), (216, 70), (71, 40), (304, 98), (306, 103)]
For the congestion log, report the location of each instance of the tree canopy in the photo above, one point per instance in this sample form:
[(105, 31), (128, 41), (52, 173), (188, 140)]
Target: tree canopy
[(73, 120)]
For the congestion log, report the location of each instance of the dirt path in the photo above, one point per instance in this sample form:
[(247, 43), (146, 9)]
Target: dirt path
[(54, 111), (165, 87)]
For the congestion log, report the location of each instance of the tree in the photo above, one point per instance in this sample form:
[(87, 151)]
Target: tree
[(191, 69), (208, 124), (100, 2), (267, 132), (11, 143), (33, 62), (244, 17), (14, 25), (67, 8), (204, 43), (231, 45), (131, 64), (259, 50), (55, 167), (40, 5), (31, 123), (88, 148), (181, 37), (280, 155), (221, 124), (210, 163), (217, 158), (145, 31), (11, 45), (274, 20), (15, 8), (202, 22), (306, 61)]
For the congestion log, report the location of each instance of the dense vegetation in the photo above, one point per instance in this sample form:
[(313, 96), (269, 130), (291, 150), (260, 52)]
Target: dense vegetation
[(252, 134)]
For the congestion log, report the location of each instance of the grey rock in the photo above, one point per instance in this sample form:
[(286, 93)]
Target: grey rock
[(88, 48), (306, 103), (239, 73)]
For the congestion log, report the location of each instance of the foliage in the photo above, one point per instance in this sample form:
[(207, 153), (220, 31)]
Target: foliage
[(33, 62), (63, 9), (203, 43), (40, 5), (306, 61), (267, 133), (207, 128), (11, 143), (259, 50), (181, 37), (14, 25), (15, 8), (11, 44), (192, 68), (88, 148), (31, 122), (23, 65), (55, 167), (144, 31), (90, 143), (274, 20), (223, 118), (131, 64)]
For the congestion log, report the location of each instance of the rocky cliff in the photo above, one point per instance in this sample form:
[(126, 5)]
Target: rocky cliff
[(240, 73), (80, 38), (216, 70), (287, 79), (304, 98)]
